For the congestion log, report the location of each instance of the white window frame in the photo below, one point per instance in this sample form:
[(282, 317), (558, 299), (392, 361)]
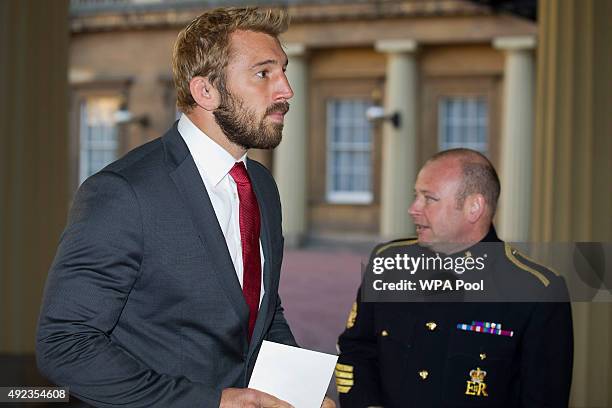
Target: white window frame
[(471, 120), (87, 145), (346, 197)]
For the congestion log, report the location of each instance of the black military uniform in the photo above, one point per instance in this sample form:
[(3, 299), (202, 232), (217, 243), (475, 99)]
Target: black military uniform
[(494, 354)]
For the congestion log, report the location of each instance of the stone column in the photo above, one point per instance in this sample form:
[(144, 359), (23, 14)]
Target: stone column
[(33, 160), (290, 157), (399, 144), (514, 216), (571, 194)]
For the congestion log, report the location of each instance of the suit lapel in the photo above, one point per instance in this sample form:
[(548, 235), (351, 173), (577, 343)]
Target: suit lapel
[(195, 197), (264, 308)]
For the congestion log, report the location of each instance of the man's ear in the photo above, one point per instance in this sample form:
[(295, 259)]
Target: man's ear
[(475, 207), (204, 93)]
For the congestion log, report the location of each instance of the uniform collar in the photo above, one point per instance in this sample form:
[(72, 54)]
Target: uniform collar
[(488, 247)]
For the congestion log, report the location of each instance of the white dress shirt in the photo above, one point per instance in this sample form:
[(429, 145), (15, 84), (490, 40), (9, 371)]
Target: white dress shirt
[(214, 163)]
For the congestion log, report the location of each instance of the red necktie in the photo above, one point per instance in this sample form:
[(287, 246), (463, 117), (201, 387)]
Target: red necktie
[(249, 237)]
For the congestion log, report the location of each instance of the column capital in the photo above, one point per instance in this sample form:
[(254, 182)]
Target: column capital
[(515, 43), (295, 49), (396, 46)]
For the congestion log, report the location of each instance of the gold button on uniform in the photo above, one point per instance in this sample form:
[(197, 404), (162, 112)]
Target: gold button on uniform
[(384, 333), (423, 374), (483, 356), (431, 326)]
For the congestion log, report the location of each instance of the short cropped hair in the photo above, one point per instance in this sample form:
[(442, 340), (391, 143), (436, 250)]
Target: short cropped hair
[(203, 47), (478, 176)]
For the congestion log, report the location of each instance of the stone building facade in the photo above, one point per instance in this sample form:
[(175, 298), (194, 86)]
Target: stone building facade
[(456, 73)]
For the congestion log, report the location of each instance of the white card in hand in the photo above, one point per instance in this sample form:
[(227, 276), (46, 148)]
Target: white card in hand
[(292, 374)]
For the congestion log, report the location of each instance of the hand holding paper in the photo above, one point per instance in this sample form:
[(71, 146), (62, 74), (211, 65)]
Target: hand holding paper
[(241, 397), (328, 403), (292, 374)]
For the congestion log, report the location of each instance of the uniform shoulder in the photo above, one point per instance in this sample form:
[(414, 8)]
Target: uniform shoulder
[(532, 269), (395, 244)]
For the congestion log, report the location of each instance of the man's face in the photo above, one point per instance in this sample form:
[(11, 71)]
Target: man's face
[(440, 225), (252, 112)]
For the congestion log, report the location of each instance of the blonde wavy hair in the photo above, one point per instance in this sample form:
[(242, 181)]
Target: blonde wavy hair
[(203, 47)]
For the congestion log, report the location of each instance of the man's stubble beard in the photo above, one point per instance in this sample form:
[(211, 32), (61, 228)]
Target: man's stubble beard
[(241, 126)]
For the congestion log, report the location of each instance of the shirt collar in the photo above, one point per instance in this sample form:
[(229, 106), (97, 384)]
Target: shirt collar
[(212, 160)]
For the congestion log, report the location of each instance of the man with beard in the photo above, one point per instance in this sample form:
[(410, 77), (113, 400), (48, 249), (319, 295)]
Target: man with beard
[(165, 280), (428, 349)]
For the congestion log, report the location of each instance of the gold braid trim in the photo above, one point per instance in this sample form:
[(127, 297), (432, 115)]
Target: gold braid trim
[(510, 253), (398, 243)]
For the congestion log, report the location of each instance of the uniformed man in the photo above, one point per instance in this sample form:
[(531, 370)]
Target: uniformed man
[(460, 354)]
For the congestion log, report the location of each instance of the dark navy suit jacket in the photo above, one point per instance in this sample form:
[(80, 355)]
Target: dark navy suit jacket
[(142, 306)]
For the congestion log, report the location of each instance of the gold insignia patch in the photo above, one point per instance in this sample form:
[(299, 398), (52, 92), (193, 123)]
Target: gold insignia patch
[(343, 381), (476, 386), (344, 378), (344, 367), (342, 374), (350, 322)]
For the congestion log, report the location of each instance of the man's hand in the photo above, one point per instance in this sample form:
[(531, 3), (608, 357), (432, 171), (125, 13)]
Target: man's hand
[(327, 403), (250, 398)]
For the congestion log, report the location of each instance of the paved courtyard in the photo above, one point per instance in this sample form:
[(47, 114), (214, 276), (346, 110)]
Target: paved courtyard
[(318, 287)]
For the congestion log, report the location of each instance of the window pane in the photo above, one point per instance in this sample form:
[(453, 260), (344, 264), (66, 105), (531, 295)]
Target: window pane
[(463, 122), (349, 151), (98, 135)]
